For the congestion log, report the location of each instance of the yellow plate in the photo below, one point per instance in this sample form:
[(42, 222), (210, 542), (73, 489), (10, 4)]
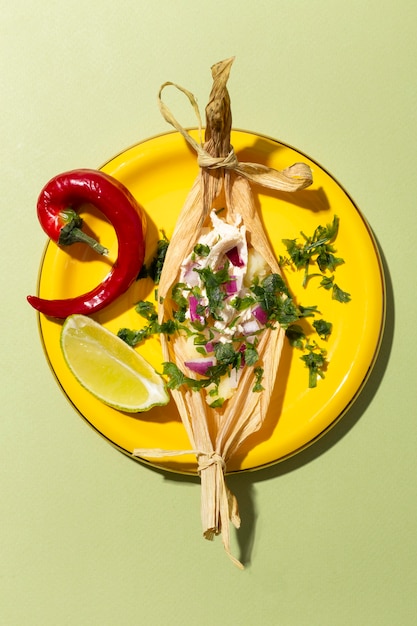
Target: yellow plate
[(159, 172)]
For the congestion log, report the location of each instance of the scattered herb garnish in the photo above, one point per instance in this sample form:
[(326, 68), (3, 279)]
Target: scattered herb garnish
[(154, 269), (176, 378), (213, 282), (259, 373), (323, 328), (201, 250), (317, 249), (295, 336), (271, 295), (327, 282), (315, 361), (147, 310)]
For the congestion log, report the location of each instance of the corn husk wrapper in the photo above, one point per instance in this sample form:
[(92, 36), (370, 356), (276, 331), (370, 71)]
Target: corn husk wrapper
[(216, 434)]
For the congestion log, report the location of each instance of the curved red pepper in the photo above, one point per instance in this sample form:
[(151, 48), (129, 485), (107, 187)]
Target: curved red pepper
[(68, 191)]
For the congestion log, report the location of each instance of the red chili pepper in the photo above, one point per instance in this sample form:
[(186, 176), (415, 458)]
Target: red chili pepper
[(57, 206)]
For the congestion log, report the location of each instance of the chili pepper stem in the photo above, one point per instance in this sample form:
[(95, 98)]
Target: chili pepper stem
[(76, 235)]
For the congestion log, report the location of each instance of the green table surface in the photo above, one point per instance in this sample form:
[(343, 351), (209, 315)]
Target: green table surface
[(89, 537)]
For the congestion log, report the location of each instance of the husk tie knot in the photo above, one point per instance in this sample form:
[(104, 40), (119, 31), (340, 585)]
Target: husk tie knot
[(211, 459), (293, 178)]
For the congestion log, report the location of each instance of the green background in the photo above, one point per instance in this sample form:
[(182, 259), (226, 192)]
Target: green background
[(86, 535)]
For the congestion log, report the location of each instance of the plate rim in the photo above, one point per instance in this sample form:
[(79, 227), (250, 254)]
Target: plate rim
[(190, 473)]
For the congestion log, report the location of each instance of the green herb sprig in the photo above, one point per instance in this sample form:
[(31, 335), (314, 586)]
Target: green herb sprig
[(317, 250), (154, 269)]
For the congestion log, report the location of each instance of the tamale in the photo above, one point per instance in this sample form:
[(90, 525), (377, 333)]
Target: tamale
[(221, 198)]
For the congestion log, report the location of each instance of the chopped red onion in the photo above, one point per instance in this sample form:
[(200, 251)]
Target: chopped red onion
[(234, 257), (193, 304), (200, 366), (260, 314), (209, 347), (231, 286)]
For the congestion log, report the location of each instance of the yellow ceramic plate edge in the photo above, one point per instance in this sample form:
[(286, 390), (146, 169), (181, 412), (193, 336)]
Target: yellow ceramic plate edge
[(336, 418)]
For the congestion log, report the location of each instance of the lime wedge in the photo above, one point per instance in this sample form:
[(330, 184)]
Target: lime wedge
[(108, 368)]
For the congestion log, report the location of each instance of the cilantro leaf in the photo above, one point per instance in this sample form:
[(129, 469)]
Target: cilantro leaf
[(176, 378), (323, 328), (251, 354), (340, 295), (316, 249), (201, 250), (157, 264), (225, 353), (155, 268), (133, 337), (315, 361), (240, 304), (327, 282), (308, 311), (259, 372), (147, 310), (217, 404), (296, 336), (326, 260), (273, 296), (212, 282)]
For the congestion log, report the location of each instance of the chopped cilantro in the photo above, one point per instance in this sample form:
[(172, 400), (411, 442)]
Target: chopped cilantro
[(240, 304), (323, 328), (295, 336), (338, 294), (251, 354), (217, 404), (275, 283), (274, 298), (213, 281), (315, 361), (201, 250), (297, 254), (225, 353), (259, 372), (133, 337), (155, 268), (176, 378), (316, 249), (178, 297), (147, 310), (200, 339), (326, 260), (327, 282)]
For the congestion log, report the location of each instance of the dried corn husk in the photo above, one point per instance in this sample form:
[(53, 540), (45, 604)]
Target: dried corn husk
[(216, 434)]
